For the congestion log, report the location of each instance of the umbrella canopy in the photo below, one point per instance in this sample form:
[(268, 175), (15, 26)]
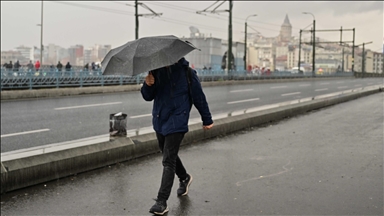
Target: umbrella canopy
[(145, 54)]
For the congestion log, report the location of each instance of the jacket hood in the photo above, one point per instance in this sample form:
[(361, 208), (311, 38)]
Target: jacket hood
[(183, 62)]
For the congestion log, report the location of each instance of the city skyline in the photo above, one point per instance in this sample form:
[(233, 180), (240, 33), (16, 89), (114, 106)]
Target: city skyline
[(113, 23)]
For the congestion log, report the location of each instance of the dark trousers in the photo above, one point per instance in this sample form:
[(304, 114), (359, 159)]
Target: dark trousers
[(169, 145)]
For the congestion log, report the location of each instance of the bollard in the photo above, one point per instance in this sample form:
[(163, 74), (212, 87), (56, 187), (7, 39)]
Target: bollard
[(118, 124)]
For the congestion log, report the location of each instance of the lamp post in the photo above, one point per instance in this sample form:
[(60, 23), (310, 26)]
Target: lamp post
[(137, 21), (41, 35), (313, 43), (229, 53), (245, 42)]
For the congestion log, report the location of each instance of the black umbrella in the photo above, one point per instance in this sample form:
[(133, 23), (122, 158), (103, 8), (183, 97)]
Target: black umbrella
[(145, 54)]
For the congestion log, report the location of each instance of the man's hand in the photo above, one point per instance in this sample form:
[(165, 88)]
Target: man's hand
[(207, 127), (149, 79)]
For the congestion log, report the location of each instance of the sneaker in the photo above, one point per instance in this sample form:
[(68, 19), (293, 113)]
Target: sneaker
[(184, 186), (160, 208)]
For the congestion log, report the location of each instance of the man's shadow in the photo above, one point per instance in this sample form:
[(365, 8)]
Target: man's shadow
[(184, 206)]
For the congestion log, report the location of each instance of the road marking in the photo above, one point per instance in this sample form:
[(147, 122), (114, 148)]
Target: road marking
[(275, 87), (25, 132), (342, 87), (321, 89), (242, 101), (140, 116), (239, 183), (324, 83), (305, 85), (358, 85), (244, 90), (89, 105), (293, 93)]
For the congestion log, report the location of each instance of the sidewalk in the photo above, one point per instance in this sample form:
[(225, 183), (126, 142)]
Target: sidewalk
[(326, 162)]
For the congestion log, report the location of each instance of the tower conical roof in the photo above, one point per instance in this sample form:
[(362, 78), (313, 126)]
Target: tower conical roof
[(286, 21)]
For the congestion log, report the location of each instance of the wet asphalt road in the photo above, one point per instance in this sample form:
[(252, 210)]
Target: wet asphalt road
[(53, 120), (327, 162)]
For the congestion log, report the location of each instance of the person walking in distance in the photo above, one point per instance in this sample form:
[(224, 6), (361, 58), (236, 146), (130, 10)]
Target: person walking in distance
[(30, 66), (68, 67), (173, 89), (59, 66), (37, 65)]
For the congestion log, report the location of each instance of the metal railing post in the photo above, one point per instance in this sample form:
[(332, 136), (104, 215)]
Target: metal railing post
[(81, 79), (57, 79), (30, 80)]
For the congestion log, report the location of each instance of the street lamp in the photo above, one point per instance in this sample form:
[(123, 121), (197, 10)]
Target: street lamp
[(245, 42), (41, 35), (313, 43)]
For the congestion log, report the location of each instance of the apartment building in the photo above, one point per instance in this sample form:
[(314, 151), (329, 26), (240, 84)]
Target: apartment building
[(378, 62)]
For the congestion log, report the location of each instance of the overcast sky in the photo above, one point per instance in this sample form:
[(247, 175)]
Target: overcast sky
[(113, 22)]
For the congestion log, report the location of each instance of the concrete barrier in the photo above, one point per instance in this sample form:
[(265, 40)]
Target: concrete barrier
[(37, 165)]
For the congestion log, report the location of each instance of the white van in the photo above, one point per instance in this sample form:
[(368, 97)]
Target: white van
[(295, 70)]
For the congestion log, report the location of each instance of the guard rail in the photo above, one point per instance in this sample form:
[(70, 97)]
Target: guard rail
[(52, 78)]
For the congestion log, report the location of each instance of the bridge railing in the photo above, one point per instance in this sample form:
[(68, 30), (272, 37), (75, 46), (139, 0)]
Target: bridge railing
[(53, 78)]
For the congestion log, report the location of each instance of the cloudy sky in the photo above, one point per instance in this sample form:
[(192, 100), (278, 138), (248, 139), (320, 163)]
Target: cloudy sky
[(113, 22)]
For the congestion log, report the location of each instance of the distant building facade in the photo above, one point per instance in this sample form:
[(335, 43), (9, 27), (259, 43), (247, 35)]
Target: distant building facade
[(213, 52)]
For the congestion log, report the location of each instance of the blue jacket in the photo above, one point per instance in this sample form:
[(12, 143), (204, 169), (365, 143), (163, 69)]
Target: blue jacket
[(171, 106)]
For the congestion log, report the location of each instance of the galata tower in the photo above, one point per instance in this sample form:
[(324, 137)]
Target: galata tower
[(286, 30)]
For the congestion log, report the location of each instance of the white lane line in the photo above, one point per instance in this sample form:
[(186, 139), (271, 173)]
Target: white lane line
[(140, 116), (25, 132), (342, 87), (325, 89), (358, 85), (89, 105), (324, 83), (242, 101), (244, 90), (305, 85), (276, 87), (293, 93)]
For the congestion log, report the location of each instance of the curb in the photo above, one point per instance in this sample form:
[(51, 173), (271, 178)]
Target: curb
[(43, 164)]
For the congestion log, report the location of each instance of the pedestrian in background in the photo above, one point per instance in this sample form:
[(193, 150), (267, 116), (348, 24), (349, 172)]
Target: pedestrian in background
[(17, 66), (59, 66), (68, 66), (9, 66), (37, 65), (173, 89), (30, 66), (86, 67)]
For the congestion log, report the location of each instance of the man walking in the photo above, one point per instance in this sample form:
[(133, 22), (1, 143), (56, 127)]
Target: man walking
[(59, 66), (174, 89)]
